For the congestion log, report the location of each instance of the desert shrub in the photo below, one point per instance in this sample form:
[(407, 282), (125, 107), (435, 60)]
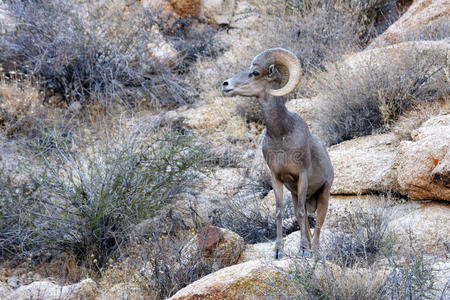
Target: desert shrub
[(88, 204), (365, 237), (19, 228), (98, 198), (97, 54), (412, 279), (319, 280), (251, 217), (370, 98), (157, 266)]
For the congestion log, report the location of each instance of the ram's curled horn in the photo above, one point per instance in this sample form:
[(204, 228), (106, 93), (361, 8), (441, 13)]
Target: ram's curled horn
[(286, 63)]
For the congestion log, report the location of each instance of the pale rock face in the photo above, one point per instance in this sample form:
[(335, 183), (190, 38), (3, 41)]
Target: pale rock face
[(423, 17), (423, 164), (433, 51), (363, 165), (123, 291), (243, 281), (425, 225), (218, 11), (86, 289)]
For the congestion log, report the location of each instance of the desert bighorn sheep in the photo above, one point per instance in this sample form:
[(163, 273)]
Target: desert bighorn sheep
[(295, 157)]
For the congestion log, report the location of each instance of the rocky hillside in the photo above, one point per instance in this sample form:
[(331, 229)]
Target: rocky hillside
[(126, 174)]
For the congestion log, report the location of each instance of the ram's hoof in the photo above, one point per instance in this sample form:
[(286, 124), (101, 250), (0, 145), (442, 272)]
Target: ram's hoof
[(304, 252), (277, 254)]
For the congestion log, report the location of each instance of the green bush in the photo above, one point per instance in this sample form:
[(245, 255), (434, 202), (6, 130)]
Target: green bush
[(98, 198), (88, 204)]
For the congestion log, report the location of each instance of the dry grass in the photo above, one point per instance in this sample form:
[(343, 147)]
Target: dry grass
[(412, 119), (21, 109)]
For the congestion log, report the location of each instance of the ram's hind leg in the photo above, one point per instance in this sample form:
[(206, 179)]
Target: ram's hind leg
[(322, 207)]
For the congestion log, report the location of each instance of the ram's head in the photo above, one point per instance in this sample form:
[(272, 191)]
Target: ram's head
[(275, 71)]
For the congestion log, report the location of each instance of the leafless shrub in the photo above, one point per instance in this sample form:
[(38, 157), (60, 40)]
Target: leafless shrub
[(411, 280), (156, 264), (365, 238), (371, 98), (84, 57), (19, 229), (252, 218)]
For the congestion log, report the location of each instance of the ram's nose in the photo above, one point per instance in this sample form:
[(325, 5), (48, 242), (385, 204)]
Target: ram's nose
[(226, 88), (225, 84)]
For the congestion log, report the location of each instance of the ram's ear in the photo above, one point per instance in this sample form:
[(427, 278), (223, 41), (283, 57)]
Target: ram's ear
[(272, 70)]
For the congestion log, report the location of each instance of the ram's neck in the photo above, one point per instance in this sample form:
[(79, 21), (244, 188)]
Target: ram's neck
[(276, 116)]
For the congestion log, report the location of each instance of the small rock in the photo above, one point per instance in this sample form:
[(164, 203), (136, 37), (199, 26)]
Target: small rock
[(13, 282), (5, 290), (86, 289), (221, 246), (160, 49)]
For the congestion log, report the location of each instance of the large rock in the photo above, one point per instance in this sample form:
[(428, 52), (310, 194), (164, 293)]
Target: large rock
[(433, 52), (423, 18), (250, 280), (280, 279), (291, 244), (363, 165), (218, 245), (86, 289), (423, 164), (422, 225)]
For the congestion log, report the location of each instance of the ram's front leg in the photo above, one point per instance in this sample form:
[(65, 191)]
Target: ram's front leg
[(278, 190), (300, 214)]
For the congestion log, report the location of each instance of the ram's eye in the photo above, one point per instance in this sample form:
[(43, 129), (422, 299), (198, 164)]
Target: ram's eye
[(255, 73)]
